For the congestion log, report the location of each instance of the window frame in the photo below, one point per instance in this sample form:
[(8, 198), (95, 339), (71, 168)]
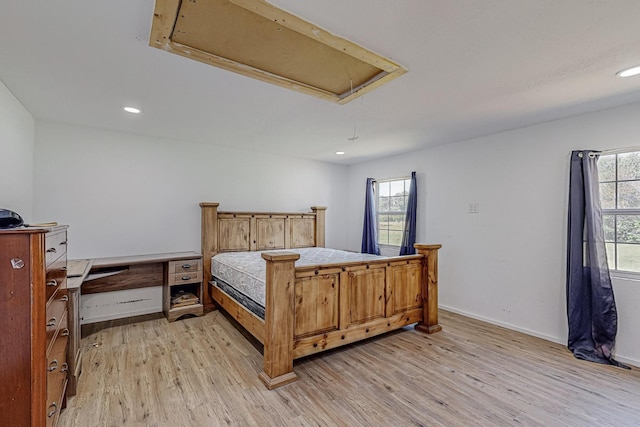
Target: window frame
[(406, 185), (615, 212)]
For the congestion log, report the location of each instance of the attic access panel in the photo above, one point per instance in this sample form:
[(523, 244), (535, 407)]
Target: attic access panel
[(255, 38)]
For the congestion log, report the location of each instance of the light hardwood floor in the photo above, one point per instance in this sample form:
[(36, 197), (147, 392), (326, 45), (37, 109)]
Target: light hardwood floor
[(203, 372)]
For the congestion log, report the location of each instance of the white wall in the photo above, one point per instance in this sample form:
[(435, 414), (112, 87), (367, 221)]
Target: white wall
[(124, 194), (16, 155), (506, 264)]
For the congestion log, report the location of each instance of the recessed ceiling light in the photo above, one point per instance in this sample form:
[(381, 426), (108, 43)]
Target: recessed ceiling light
[(133, 110), (339, 153), (629, 72)]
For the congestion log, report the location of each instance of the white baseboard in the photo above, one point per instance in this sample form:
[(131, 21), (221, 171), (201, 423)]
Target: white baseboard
[(628, 361), (618, 357), (502, 324)]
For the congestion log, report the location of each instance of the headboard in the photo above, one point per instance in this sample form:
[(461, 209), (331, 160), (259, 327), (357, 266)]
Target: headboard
[(257, 231)]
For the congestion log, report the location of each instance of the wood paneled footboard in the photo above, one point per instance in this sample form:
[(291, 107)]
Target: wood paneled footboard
[(315, 308)]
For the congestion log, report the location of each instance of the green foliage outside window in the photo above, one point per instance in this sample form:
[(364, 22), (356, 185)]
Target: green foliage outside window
[(619, 176), (391, 208)]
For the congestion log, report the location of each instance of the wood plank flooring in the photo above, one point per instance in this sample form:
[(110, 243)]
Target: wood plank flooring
[(203, 372)]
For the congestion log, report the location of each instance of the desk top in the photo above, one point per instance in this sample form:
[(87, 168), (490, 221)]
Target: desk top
[(144, 259), (77, 270)]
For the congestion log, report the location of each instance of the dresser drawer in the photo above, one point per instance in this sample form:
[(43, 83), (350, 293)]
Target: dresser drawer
[(55, 245), (56, 314), (56, 277), (184, 278), (184, 266), (57, 359), (57, 371)]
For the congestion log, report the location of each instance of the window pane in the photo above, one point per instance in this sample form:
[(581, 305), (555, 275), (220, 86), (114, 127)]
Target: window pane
[(609, 225), (397, 188), (383, 237), (383, 189), (395, 237), (383, 204), (628, 229), (608, 195), (629, 166), (628, 257), (396, 222), (607, 168), (397, 204), (628, 195), (611, 255)]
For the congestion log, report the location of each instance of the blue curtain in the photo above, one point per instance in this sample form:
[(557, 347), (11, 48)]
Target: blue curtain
[(591, 307), (409, 235), (369, 232)]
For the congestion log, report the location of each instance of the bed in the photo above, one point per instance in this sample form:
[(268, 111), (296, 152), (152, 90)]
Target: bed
[(316, 305)]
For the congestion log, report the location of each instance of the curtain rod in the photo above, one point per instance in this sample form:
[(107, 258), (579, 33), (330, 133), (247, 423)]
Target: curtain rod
[(612, 151), (399, 178)]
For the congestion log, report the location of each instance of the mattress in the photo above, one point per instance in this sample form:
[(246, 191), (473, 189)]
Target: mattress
[(242, 274)]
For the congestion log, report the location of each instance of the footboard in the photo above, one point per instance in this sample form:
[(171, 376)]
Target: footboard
[(315, 308)]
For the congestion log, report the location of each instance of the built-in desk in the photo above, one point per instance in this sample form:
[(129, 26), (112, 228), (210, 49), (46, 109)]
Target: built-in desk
[(179, 274)]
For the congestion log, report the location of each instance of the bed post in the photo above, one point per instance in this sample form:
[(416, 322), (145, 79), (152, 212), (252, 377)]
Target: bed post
[(320, 213), (209, 248), (429, 323), (279, 319)]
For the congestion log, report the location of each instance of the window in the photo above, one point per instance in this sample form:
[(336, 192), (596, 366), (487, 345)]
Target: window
[(619, 176), (391, 208)]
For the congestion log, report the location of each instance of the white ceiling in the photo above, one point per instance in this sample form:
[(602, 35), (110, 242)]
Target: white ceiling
[(476, 67)]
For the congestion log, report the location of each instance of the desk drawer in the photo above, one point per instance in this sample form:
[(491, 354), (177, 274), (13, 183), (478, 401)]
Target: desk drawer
[(184, 266), (108, 279), (183, 278)]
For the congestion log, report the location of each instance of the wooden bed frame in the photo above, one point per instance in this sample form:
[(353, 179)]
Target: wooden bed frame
[(315, 308)]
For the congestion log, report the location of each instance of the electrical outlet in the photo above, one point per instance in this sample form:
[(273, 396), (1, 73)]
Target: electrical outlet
[(474, 207)]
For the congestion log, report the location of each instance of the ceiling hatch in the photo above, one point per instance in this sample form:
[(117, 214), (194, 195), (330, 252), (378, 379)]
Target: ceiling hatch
[(259, 40)]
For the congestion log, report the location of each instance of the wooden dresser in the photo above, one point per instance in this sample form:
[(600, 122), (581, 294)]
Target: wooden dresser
[(33, 313)]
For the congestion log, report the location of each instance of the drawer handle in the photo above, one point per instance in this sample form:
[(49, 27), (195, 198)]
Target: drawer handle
[(53, 411), (65, 332), (65, 367), (186, 277), (185, 266), (64, 298), (17, 263), (51, 250), (52, 283), (53, 365), (52, 322)]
